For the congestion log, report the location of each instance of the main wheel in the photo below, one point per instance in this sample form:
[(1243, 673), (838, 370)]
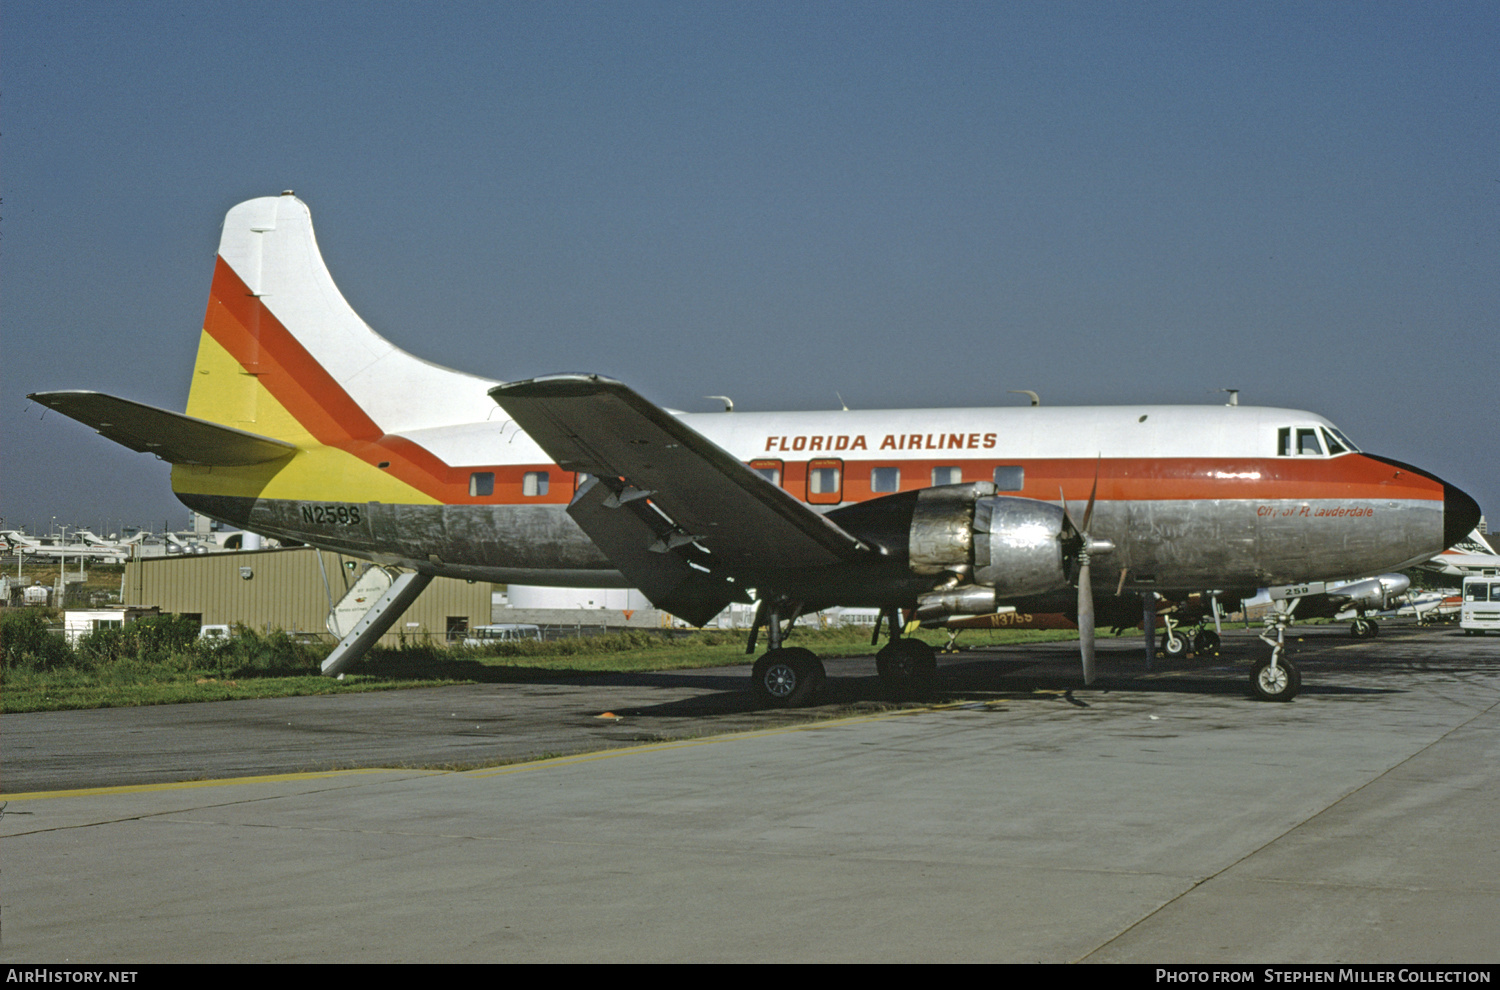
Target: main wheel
[(907, 668), (1362, 628), (1279, 684), (1173, 645), (1206, 641), (787, 678)]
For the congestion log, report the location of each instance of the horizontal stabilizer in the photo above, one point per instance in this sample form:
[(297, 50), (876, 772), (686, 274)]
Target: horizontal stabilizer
[(173, 437)]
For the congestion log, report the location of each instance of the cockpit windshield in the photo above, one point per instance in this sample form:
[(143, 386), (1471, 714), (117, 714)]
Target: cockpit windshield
[(1312, 441), (1345, 444)]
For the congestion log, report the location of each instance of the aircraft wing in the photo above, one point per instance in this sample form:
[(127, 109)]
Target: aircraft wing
[(699, 524), (173, 437)]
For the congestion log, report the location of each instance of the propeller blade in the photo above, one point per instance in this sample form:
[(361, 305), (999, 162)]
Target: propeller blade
[(1085, 580), (1088, 513), (1086, 622)]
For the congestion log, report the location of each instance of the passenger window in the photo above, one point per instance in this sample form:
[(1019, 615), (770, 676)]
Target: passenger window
[(482, 483), (534, 484), (825, 482), (1010, 477), (885, 479), (770, 470), (947, 476)]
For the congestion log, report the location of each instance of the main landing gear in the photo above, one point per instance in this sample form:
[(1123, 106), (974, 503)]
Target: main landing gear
[(907, 667), (792, 677), (786, 676), (1199, 641)]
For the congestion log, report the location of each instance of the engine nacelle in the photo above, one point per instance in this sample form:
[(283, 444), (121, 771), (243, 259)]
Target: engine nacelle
[(993, 547)]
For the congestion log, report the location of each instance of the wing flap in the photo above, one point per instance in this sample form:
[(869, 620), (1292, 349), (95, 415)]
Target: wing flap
[(644, 454), (694, 594), (173, 437)]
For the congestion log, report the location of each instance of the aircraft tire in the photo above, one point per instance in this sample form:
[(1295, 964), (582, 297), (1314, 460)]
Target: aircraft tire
[(1173, 646), (1206, 641), (1280, 686), (787, 678), (907, 668), (1361, 628)]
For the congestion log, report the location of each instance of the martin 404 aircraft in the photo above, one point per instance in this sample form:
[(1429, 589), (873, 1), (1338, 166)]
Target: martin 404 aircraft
[(304, 424)]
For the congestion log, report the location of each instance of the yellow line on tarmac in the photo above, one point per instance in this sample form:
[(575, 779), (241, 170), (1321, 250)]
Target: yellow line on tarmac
[(498, 771), (609, 754), (183, 785)]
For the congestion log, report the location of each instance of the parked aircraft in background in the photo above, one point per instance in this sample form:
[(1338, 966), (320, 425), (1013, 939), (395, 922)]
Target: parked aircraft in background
[(1356, 600), (90, 548), (1342, 599), (304, 424), (1473, 556), (1432, 606)]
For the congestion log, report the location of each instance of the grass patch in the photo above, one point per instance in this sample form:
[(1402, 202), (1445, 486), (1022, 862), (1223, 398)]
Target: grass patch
[(161, 661)]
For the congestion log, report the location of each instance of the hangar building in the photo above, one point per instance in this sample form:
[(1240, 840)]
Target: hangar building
[(294, 590)]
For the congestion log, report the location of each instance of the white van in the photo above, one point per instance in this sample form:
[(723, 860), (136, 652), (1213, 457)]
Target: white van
[(1480, 611), (508, 632)]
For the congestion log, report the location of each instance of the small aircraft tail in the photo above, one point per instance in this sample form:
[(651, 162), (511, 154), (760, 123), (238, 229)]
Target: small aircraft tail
[(283, 355)]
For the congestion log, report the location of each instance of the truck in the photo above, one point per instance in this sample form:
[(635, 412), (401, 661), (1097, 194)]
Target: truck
[(1480, 611)]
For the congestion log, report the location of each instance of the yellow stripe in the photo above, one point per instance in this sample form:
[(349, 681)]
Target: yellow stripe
[(223, 393), (186, 785), (609, 754), (558, 761)]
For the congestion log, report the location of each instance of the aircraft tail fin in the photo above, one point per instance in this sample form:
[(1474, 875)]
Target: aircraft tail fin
[(1474, 543), (283, 355)]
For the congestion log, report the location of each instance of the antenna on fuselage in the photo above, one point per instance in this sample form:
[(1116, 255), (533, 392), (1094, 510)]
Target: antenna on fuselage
[(1234, 396), (1036, 400), (728, 402)]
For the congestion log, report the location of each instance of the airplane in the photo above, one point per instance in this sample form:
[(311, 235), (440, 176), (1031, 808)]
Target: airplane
[(1340, 599), (1433, 605), (19, 543), (1472, 555), (110, 543), (304, 424)]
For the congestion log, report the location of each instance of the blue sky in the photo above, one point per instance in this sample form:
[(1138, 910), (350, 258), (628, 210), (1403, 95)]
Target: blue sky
[(909, 204)]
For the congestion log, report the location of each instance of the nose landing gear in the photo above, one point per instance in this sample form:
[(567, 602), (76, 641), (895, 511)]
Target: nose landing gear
[(1276, 679)]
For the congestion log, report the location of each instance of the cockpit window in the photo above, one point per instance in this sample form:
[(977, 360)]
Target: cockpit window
[(1301, 441), (1334, 447), (1348, 444)]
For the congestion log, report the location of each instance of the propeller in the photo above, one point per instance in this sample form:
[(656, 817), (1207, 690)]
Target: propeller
[(1086, 547)]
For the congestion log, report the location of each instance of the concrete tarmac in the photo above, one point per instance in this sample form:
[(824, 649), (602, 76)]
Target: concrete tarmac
[(1157, 817)]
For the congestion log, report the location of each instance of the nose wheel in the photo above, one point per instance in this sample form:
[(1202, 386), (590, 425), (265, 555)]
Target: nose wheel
[(1276, 679)]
